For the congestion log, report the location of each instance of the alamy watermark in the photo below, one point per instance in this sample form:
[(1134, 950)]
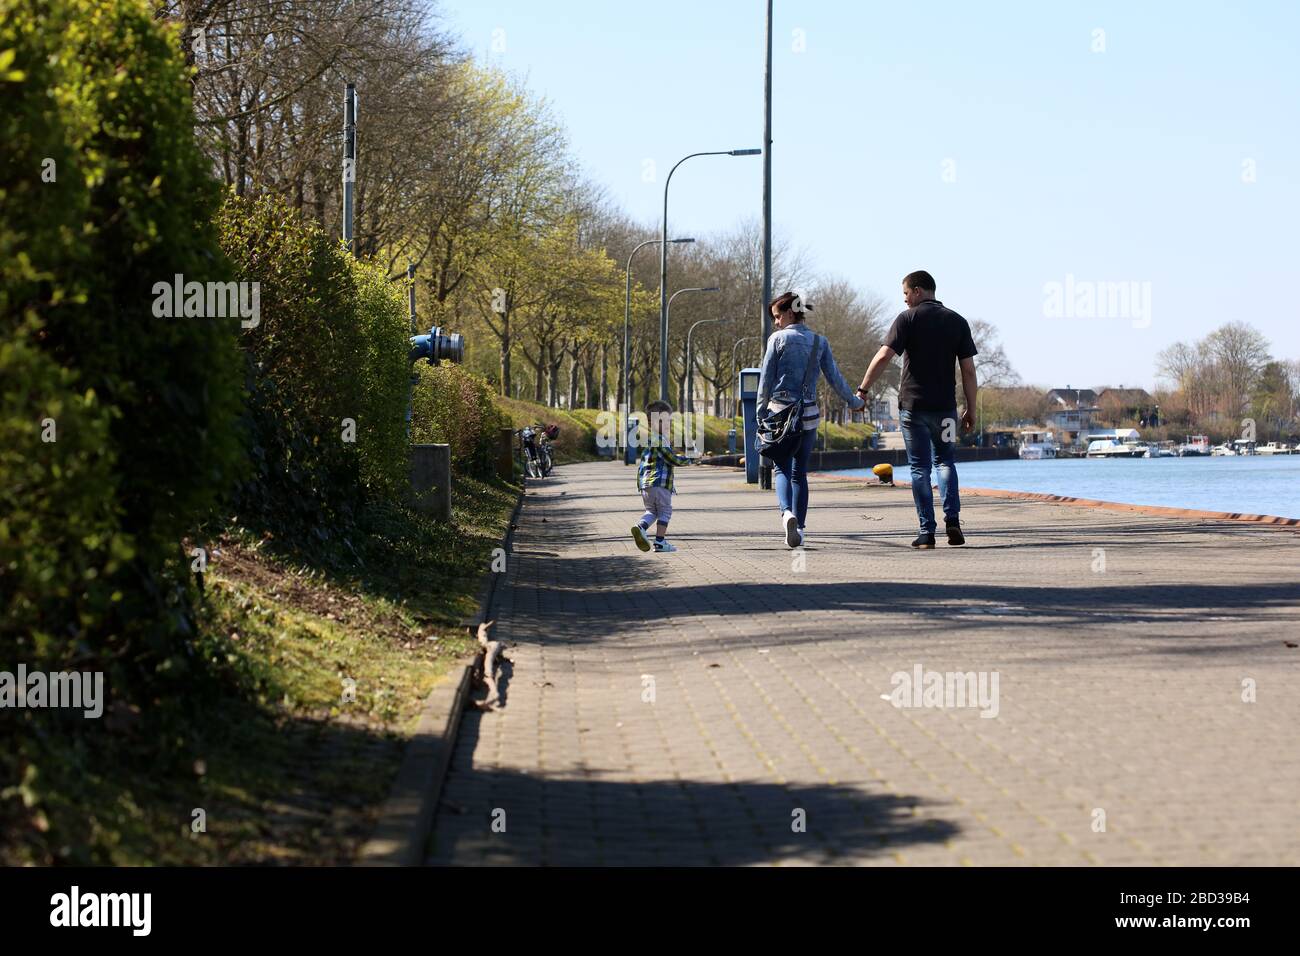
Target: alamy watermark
[(621, 428), (1087, 299), (129, 910), (945, 689), (78, 690), (208, 300)]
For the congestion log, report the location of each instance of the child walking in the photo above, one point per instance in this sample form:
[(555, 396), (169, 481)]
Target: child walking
[(654, 478)]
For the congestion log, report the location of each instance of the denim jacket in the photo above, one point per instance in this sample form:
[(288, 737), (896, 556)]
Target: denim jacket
[(783, 369)]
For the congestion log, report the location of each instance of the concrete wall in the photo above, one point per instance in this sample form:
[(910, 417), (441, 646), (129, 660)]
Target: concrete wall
[(431, 479)]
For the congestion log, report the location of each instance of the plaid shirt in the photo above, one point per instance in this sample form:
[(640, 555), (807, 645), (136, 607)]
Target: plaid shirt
[(655, 466)]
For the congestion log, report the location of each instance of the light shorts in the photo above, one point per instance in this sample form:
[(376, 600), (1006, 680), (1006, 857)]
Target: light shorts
[(658, 503)]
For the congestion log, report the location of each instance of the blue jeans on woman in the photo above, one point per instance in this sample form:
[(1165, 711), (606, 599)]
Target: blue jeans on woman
[(792, 477), (923, 434)]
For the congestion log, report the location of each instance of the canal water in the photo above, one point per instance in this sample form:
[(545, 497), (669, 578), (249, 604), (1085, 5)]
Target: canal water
[(1251, 484)]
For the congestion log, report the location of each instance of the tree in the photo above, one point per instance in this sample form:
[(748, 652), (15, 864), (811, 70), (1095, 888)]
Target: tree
[(854, 324), (992, 367), (1215, 377)]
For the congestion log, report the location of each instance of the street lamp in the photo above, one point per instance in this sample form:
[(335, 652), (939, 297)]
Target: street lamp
[(663, 355), (663, 264), (690, 369), (747, 338), (627, 348)]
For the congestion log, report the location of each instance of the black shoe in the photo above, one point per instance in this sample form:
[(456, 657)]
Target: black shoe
[(955, 537), (924, 540)]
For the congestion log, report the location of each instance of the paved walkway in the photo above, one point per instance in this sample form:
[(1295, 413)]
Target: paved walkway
[(731, 703)]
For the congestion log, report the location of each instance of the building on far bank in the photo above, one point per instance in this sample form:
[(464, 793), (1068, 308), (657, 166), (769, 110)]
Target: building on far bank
[(1073, 413), (883, 412), (1128, 404)]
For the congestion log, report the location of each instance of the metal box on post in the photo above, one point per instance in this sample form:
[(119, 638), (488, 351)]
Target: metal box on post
[(749, 402)]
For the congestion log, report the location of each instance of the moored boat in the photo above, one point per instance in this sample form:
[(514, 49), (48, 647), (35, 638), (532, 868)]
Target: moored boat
[(1196, 446), (1036, 445), (1113, 448)]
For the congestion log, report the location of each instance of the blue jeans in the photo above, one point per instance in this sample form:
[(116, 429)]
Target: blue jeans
[(791, 478), (923, 435)]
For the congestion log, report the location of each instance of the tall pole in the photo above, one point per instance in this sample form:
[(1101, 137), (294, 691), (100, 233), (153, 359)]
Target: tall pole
[(627, 353), (767, 182), (735, 404), (349, 159), (690, 368), (410, 295), (627, 323), (663, 263), (663, 383)]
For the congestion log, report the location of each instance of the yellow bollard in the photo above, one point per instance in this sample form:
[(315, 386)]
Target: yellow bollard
[(885, 472)]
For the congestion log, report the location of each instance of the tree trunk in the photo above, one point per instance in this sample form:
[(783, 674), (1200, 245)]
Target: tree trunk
[(573, 382), (507, 345), (553, 383), (604, 378), (590, 397)]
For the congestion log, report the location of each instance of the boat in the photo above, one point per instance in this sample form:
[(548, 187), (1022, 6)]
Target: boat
[(1196, 446), (1275, 448), (1115, 443), (1226, 450), (1163, 449), (1036, 445), (1114, 448), (1243, 447)]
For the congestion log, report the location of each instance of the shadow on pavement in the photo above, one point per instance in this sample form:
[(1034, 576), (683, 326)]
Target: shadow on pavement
[(595, 822)]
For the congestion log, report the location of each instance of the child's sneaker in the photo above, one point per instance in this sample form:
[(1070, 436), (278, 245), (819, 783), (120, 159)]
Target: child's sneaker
[(666, 546), (638, 535)]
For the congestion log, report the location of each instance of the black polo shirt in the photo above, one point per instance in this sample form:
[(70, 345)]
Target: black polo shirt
[(931, 340)]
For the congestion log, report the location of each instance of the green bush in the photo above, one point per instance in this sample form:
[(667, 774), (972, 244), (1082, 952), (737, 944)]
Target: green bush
[(385, 381), (454, 406), (103, 194), (61, 547), (327, 375)]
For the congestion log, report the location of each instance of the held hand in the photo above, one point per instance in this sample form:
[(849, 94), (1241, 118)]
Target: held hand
[(967, 420)]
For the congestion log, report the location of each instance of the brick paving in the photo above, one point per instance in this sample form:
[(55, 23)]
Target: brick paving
[(730, 703)]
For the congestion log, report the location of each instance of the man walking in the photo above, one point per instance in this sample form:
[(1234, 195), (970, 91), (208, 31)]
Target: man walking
[(932, 340)]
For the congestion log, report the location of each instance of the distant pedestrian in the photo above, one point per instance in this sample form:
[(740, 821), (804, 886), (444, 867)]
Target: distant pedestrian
[(794, 352), (934, 341), (654, 479)]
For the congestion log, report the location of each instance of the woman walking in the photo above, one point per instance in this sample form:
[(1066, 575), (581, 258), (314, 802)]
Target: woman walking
[(794, 352)]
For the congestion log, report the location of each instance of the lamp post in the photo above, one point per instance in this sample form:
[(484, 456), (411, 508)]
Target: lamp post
[(690, 368), (627, 347), (766, 318), (349, 159), (739, 342), (663, 352), (663, 263)]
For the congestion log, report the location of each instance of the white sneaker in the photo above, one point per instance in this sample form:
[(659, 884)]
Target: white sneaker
[(801, 537), (666, 546), (791, 523)]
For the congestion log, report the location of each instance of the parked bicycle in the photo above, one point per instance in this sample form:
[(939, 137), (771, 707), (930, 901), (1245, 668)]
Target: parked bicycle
[(536, 442)]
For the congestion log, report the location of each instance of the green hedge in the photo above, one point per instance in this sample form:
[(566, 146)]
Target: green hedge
[(327, 374), (452, 405), (103, 194)]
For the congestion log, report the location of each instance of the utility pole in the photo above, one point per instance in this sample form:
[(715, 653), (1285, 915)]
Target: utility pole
[(767, 183), (410, 295), (349, 159), (765, 471)]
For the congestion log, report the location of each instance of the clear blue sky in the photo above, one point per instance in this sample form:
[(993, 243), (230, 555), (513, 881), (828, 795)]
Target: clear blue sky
[(1118, 166)]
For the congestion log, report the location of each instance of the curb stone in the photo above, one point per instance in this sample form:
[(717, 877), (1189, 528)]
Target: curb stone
[(406, 817)]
